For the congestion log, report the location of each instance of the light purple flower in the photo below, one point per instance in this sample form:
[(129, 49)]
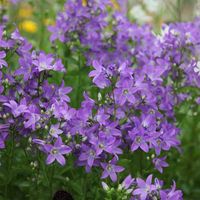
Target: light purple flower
[(160, 163), (127, 183), (89, 155), (144, 187), (110, 169), (3, 62), (57, 151), (55, 131), (16, 108), (139, 141), (99, 74)]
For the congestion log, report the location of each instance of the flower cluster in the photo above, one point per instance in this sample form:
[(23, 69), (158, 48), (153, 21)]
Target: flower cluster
[(28, 102), (140, 77), (143, 190)]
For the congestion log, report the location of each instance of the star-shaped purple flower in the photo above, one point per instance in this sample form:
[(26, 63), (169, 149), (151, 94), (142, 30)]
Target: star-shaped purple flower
[(111, 170), (55, 131), (144, 187), (57, 151), (16, 109)]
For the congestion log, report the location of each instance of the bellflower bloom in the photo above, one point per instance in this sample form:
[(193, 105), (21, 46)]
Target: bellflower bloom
[(56, 151), (160, 163), (128, 181), (139, 141), (110, 169), (16, 109), (144, 187), (99, 74), (44, 62), (89, 155), (2, 61), (55, 131)]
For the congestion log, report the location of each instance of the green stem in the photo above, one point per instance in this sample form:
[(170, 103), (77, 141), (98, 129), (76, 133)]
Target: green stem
[(79, 80), (51, 180), (10, 161), (141, 163), (179, 9), (44, 169)]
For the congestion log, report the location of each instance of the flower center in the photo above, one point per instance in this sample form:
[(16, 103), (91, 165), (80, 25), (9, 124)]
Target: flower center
[(109, 167), (52, 131), (158, 142), (43, 65), (125, 91), (138, 139), (101, 146), (92, 153), (54, 151)]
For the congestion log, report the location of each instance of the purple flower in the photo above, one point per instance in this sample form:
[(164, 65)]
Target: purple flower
[(55, 131), (111, 130), (102, 143), (15, 1), (32, 116), (57, 33), (101, 116), (99, 74), (144, 187), (3, 62), (139, 141), (172, 194), (44, 62), (127, 183), (58, 66), (124, 92), (47, 62), (62, 110), (4, 130), (110, 169), (89, 155), (15, 108), (63, 91), (160, 163), (57, 151)]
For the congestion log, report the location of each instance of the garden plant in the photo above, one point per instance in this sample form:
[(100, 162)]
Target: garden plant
[(99, 114)]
